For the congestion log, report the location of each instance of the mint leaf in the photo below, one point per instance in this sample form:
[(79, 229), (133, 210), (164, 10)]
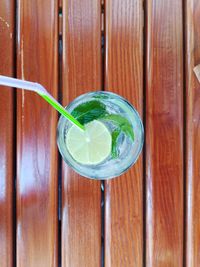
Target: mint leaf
[(122, 123), (89, 111), (115, 135)]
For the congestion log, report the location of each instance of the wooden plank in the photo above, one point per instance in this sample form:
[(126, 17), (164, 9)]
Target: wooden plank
[(124, 76), (6, 134), (81, 210), (37, 54), (164, 134), (192, 8)]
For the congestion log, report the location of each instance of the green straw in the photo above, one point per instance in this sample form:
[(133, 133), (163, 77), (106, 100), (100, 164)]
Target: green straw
[(38, 88)]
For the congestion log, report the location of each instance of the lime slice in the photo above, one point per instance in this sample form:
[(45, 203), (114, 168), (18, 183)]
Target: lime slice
[(91, 146)]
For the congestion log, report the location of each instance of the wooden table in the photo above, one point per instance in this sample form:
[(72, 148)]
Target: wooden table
[(142, 50)]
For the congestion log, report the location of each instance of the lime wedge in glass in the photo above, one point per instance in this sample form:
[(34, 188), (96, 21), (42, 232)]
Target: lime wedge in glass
[(91, 146)]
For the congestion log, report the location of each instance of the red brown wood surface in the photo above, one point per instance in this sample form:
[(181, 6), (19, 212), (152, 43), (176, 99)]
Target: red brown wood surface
[(36, 135), (164, 134), (60, 3), (124, 75), (81, 211), (6, 134), (192, 28)]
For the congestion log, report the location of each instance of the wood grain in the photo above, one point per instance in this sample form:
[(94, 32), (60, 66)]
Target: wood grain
[(164, 134), (37, 54), (124, 76), (81, 210), (6, 134), (192, 133)]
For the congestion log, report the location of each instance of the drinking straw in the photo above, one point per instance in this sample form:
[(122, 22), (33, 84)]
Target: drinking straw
[(38, 88)]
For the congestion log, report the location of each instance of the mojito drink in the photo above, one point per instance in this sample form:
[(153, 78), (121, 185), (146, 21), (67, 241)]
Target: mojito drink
[(111, 141)]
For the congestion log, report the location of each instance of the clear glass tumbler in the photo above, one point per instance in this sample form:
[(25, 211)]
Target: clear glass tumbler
[(128, 150)]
